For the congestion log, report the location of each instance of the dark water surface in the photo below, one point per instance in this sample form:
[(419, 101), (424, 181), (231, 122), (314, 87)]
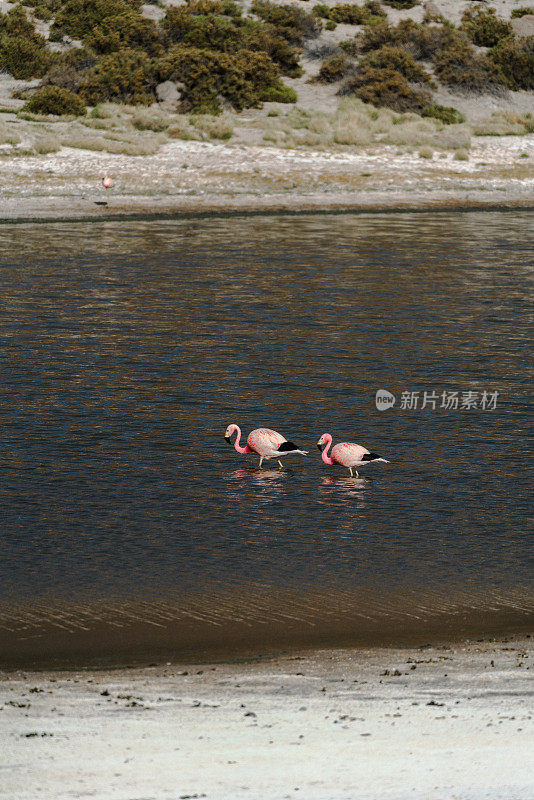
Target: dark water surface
[(130, 530)]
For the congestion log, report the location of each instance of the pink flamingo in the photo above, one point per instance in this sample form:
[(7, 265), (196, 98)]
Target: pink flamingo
[(107, 182), (263, 441), (346, 454)]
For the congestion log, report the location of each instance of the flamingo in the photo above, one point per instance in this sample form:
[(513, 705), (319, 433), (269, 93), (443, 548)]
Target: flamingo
[(263, 441), (346, 454), (107, 182)]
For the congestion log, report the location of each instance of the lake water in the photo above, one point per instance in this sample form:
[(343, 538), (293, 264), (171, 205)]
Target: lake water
[(131, 531)]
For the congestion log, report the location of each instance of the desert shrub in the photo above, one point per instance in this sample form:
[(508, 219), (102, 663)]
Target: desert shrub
[(522, 12), (148, 120), (385, 87), (460, 67), (214, 127), (242, 79), (78, 18), (422, 41), (24, 57), (23, 51), (333, 68), (396, 58), (128, 29), (292, 22), (461, 155), (220, 7), (259, 37), (181, 129), (16, 23), (446, 114), (426, 152), (46, 144), (279, 93), (400, 4), (54, 100), (128, 76), (515, 60), (483, 27), (330, 25), (71, 69), (350, 13), (228, 36), (505, 123), (42, 12), (321, 51)]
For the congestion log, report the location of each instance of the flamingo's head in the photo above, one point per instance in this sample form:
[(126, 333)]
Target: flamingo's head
[(229, 431), (323, 440)]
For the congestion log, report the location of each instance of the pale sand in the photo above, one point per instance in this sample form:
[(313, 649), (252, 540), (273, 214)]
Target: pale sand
[(190, 177), (455, 722)]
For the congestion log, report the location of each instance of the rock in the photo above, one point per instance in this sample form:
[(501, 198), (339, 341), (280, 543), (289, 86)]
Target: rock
[(169, 93), (523, 26), (431, 9)]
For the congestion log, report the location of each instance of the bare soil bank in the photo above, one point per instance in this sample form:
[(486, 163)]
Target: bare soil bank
[(452, 721)]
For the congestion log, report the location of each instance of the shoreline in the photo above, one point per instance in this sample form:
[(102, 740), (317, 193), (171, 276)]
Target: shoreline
[(381, 724), (146, 208), (198, 178)]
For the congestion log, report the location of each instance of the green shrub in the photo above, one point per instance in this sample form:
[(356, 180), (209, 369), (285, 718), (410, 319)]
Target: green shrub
[(78, 18), (401, 3), (25, 57), (333, 68), (219, 7), (483, 27), (421, 41), (515, 60), (522, 12), (398, 59), (128, 29), (385, 87), (330, 25), (459, 66), (265, 38), (446, 114), (279, 93), (16, 23), (128, 76), (56, 101), (292, 22), (228, 36), (242, 79), (350, 13)]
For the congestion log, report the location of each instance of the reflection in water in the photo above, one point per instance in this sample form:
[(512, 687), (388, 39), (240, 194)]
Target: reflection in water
[(346, 487), (269, 482), (125, 348)]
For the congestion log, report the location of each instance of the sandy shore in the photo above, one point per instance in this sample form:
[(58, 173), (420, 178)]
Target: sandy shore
[(432, 722), (200, 177)]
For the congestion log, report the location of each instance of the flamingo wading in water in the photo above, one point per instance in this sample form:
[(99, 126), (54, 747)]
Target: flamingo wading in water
[(107, 182), (346, 454), (263, 441)]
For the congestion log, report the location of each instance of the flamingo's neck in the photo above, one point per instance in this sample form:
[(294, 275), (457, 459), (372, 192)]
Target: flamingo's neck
[(239, 449), (324, 455)]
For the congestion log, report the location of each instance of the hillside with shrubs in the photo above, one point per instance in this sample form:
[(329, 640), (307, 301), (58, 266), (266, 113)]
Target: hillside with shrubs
[(177, 66)]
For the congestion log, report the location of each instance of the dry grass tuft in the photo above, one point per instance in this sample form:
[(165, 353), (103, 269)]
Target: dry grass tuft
[(47, 144), (214, 127)]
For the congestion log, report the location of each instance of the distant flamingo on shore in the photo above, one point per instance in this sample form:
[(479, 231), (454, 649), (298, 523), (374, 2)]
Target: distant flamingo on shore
[(346, 454), (107, 182), (263, 441)]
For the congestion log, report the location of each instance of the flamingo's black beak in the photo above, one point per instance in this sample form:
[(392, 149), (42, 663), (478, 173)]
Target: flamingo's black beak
[(228, 439), (319, 446)]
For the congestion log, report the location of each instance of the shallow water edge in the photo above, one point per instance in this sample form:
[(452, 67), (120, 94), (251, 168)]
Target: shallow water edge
[(138, 207)]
